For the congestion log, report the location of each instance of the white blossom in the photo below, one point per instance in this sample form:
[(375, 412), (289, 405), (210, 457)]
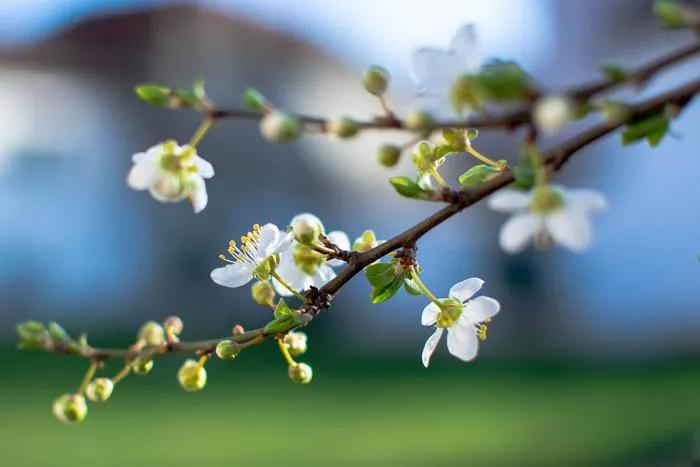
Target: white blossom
[(252, 258), (465, 320), (435, 70), (547, 213), (172, 173), (301, 266)]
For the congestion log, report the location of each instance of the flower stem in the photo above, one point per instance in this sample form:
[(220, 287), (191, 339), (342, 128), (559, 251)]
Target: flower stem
[(438, 178), (287, 286), (423, 288), (123, 373), (89, 374), (483, 158), (201, 132), (285, 352), (202, 360)]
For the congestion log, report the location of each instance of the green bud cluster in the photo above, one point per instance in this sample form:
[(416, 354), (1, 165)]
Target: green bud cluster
[(142, 366), (296, 343), (227, 349), (366, 241), (388, 155), (263, 293), (376, 80), (419, 120), (99, 389), (280, 127), (192, 376), (300, 373), (343, 127), (70, 408), (151, 334)]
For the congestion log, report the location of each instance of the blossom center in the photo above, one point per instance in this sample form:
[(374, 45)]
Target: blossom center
[(307, 259), (247, 252), (450, 311), (482, 329), (546, 200)]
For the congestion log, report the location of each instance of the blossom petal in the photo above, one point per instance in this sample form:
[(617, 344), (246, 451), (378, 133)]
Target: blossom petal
[(233, 275), (204, 168), (434, 70), (430, 346), (509, 201), (586, 200), (322, 275), (290, 272), (481, 308), (462, 342), (143, 175), (429, 315), (465, 45), (517, 232), (342, 241), (570, 228), (269, 238), (285, 242), (199, 195), (464, 290)]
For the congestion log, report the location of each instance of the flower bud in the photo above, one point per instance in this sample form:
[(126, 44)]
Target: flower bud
[(192, 376), (674, 15), (70, 408), (306, 230), (613, 112), (280, 127), (365, 241), (296, 343), (99, 389), (173, 325), (237, 329), (300, 373), (263, 293), (551, 113), (388, 155), (419, 120), (343, 127), (142, 366), (227, 350), (376, 80), (152, 334)]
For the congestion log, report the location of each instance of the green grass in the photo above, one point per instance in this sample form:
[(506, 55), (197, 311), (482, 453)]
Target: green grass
[(363, 413)]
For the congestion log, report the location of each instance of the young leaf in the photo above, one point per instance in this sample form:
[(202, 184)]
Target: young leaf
[(282, 309), (651, 127), (198, 89), (281, 324), (382, 294), (253, 99), (380, 274), (57, 333), (410, 286), (476, 175), (187, 96), (615, 73), (153, 93), (32, 334), (407, 187)]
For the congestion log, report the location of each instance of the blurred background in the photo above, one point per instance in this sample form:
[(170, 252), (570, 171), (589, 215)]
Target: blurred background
[(593, 360)]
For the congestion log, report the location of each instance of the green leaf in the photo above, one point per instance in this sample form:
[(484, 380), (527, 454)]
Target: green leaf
[(153, 93), (282, 309), (410, 286), (32, 334), (281, 324), (254, 100), (501, 80), (57, 333), (652, 127), (382, 294), (198, 89), (476, 175), (615, 73), (405, 186), (187, 97), (380, 274), (524, 172), (671, 14)]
